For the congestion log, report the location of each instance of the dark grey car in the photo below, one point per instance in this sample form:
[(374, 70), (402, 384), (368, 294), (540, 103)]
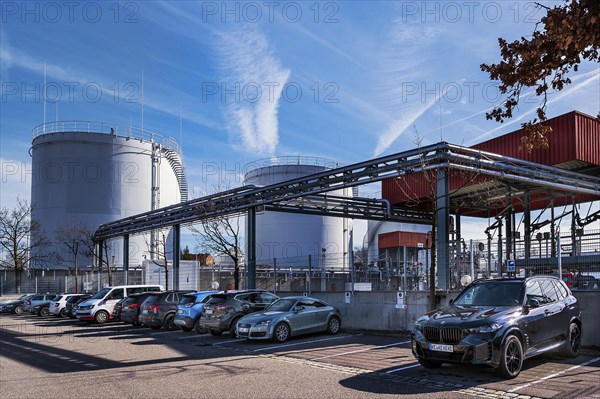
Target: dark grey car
[(158, 310), (500, 323), (223, 310)]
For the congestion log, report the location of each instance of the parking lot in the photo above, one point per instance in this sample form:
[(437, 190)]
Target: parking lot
[(62, 358)]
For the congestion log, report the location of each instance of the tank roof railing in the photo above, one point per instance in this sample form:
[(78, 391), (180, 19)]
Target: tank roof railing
[(106, 128), (291, 160)]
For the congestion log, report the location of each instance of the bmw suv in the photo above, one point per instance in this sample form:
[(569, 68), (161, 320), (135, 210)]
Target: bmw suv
[(500, 323), (223, 310)]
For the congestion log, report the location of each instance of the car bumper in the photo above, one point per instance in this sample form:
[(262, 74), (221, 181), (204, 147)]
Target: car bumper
[(55, 311), (249, 331), (213, 324), (150, 321), (84, 316), (187, 322), (477, 349)]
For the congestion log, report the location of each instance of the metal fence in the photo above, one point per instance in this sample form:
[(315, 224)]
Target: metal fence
[(579, 265)]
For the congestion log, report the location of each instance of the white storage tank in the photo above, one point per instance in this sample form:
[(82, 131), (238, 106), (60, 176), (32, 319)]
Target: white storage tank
[(95, 173), (289, 237)]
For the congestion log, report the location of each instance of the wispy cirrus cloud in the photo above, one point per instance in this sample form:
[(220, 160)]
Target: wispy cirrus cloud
[(248, 65), (404, 64)]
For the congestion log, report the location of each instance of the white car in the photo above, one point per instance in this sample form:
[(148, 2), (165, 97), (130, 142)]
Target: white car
[(100, 306), (57, 306)]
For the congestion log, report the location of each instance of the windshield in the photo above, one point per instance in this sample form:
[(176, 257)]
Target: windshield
[(282, 305), (101, 294), (492, 294)]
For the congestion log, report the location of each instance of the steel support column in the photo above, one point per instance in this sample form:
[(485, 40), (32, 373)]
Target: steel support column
[(176, 255), (126, 259), (527, 222), (442, 217), (251, 247), (100, 256)]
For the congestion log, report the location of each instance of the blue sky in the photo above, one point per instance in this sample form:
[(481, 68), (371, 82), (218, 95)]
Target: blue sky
[(345, 81)]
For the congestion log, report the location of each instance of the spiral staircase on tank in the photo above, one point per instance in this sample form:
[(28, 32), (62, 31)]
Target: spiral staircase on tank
[(174, 159)]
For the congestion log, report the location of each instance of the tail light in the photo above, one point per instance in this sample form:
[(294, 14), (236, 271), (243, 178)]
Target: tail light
[(29, 302), (223, 309), (154, 308), (134, 306)]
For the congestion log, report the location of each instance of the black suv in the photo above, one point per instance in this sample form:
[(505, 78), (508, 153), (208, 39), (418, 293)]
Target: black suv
[(130, 312), (500, 323), (223, 310), (158, 310)]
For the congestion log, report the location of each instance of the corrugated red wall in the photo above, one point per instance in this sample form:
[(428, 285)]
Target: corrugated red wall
[(402, 239), (574, 137)]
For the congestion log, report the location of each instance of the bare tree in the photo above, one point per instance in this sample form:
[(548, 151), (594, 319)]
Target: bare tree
[(221, 236), (76, 237), (20, 237), (160, 252), (90, 250)]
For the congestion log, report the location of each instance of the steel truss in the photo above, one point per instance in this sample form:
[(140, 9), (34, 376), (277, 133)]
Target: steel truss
[(307, 194)]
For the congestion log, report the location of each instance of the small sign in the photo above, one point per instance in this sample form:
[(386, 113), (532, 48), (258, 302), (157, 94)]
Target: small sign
[(400, 301), (510, 265), (347, 297)]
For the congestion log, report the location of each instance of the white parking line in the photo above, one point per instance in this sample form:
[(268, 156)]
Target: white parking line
[(403, 368), (302, 343), (361, 350), (554, 375), (226, 342)]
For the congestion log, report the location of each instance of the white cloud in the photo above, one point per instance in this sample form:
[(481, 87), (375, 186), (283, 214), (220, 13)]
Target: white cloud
[(405, 67), (248, 67)]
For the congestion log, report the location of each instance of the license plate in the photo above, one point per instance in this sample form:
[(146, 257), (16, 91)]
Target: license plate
[(125, 307), (441, 348), (179, 311), (243, 329), (208, 311), (145, 311)]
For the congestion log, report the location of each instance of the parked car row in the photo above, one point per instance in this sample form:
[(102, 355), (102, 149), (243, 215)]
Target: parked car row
[(498, 323), (248, 314)]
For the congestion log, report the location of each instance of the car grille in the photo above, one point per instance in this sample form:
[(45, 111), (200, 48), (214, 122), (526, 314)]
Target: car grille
[(448, 335)]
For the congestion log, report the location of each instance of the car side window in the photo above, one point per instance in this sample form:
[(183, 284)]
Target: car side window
[(549, 290), (561, 289), (307, 304), (534, 291), (265, 297), (116, 294)]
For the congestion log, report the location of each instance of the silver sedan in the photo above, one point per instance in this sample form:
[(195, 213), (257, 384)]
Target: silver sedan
[(288, 317)]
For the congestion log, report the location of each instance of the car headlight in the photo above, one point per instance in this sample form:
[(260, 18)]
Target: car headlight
[(419, 323), (263, 323), (486, 328)]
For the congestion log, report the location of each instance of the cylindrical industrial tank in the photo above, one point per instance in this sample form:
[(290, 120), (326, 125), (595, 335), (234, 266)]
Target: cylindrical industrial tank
[(289, 237), (93, 173)]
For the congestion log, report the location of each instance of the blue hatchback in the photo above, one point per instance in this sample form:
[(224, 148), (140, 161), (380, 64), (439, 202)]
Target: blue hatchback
[(189, 310)]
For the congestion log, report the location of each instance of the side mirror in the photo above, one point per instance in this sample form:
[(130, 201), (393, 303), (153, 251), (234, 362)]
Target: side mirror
[(297, 309), (533, 303)]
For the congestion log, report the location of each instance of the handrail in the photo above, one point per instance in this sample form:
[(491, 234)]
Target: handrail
[(290, 160), (106, 128)]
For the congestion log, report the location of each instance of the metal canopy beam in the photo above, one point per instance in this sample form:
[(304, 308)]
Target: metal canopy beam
[(433, 157)]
